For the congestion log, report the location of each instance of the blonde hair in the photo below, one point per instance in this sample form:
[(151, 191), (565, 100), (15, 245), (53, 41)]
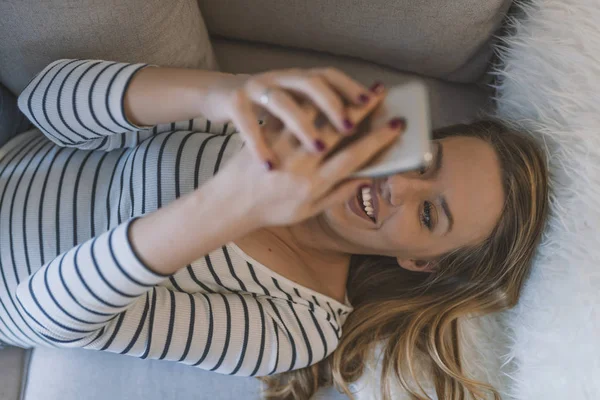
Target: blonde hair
[(415, 315)]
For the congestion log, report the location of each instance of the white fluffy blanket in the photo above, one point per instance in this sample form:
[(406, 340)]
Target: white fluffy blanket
[(549, 84)]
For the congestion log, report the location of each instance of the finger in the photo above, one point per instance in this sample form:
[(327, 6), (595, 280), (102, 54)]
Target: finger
[(340, 194), (286, 147), (357, 114), (351, 90), (311, 113), (327, 132), (284, 107), (298, 159), (360, 152), (317, 90), (250, 130)]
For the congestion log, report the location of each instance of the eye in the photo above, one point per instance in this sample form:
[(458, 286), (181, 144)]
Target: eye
[(426, 215)]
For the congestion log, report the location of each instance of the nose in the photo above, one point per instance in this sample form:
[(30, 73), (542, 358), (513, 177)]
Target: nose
[(400, 188)]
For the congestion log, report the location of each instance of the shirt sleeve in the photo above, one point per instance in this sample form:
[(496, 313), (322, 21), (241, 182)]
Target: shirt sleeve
[(100, 296), (80, 103), (75, 101)]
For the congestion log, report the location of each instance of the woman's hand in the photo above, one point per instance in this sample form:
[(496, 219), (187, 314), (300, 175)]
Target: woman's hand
[(244, 196), (280, 94), (306, 183), (163, 95)]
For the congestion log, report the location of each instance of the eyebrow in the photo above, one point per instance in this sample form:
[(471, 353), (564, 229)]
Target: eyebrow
[(438, 159), (438, 165)]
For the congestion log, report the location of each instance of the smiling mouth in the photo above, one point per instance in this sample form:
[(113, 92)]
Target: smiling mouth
[(366, 202)]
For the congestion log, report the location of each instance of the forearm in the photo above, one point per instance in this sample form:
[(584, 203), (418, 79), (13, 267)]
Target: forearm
[(190, 228), (163, 95), (119, 268)]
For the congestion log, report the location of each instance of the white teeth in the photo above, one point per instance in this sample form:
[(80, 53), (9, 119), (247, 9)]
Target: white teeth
[(367, 205)]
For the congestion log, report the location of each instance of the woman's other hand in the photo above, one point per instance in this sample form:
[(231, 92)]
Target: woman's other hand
[(279, 95)]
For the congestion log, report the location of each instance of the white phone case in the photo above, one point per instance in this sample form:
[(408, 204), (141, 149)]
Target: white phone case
[(412, 150)]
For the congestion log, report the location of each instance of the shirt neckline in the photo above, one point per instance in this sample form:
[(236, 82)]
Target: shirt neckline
[(344, 306)]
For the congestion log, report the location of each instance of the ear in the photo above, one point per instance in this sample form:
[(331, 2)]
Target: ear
[(416, 265)]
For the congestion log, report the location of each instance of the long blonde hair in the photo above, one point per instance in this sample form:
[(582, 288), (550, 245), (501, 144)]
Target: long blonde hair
[(415, 315)]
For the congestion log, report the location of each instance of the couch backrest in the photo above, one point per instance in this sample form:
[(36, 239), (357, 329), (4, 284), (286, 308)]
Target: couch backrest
[(35, 33), (440, 38)]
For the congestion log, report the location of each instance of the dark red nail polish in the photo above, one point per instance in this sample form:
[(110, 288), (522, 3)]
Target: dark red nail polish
[(319, 145), (363, 98), (269, 165), (348, 124), (398, 123), (377, 87)]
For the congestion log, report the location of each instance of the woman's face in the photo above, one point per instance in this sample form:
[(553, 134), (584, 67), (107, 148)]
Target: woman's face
[(455, 201)]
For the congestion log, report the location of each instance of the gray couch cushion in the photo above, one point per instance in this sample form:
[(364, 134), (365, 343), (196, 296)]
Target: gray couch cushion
[(66, 374), (34, 33), (12, 121), (438, 38), (451, 103), (12, 366)]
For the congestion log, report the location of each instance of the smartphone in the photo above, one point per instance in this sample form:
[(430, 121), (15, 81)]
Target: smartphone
[(412, 150)]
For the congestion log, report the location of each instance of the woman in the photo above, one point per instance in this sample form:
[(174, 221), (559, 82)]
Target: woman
[(160, 249)]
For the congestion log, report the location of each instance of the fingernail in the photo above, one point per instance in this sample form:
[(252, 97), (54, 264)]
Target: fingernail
[(398, 123), (377, 87), (363, 98), (348, 125), (319, 145), (269, 165)]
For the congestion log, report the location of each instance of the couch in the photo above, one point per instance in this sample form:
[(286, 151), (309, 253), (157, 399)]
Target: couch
[(447, 44)]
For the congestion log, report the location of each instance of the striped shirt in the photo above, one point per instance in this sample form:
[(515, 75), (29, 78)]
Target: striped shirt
[(69, 276)]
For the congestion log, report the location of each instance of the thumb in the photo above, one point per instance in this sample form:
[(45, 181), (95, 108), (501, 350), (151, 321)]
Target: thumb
[(341, 193)]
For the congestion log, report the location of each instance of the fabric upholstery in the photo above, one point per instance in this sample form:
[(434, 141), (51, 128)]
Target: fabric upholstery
[(12, 366), (35, 33), (74, 374), (437, 38), (12, 121), (451, 103)]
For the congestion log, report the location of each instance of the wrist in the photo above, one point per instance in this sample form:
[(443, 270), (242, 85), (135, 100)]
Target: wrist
[(232, 205), (212, 100), (189, 228)]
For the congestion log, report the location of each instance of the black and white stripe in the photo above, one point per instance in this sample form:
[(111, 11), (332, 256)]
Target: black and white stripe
[(68, 274)]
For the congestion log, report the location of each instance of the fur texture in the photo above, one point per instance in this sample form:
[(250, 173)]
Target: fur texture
[(548, 83)]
